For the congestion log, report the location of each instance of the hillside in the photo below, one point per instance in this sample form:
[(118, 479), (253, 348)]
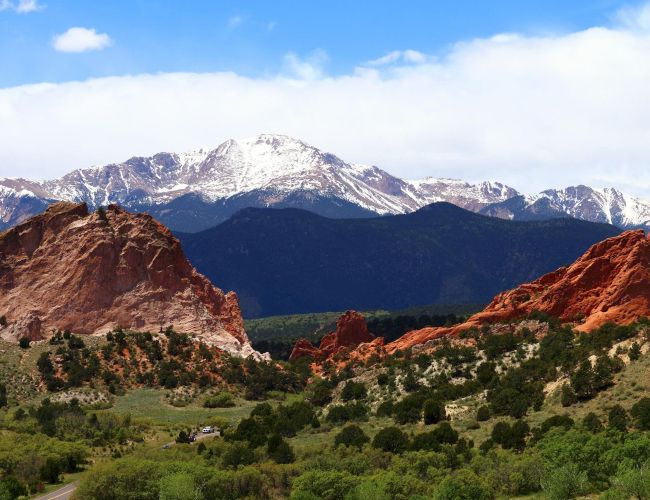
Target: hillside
[(608, 284), (292, 261), (529, 408)]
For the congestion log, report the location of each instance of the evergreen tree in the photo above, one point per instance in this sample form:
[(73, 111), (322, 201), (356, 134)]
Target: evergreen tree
[(641, 413), (483, 414), (592, 423), (391, 439), (618, 418), (434, 411), (582, 381), (352, 435), (568, 396)]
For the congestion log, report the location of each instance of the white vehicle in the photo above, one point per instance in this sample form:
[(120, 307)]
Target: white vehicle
[(207, 430)]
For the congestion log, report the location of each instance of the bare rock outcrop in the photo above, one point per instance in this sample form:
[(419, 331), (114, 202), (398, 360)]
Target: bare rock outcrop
[(27, 326), (90, 273), (609, 283), (351, 332)]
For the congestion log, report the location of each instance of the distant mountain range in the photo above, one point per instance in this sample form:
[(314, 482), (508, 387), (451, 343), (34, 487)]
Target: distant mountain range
[(293, 261), (200, 189)]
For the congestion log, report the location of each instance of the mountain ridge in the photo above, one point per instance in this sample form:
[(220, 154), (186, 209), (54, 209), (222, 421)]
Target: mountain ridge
[(199, 189), (608, 283), (288, 261)]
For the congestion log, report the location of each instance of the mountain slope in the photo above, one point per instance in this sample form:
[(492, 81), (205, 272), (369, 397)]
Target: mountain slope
[(199, 189), (610, 282), (291, 261), (90, 273), (582, 202)]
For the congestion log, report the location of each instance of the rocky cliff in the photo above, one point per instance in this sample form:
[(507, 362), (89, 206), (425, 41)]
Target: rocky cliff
[(351, 331), (89, 273), (610, 282)]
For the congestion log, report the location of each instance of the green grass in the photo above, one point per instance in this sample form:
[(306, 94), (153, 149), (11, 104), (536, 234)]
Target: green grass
[(149, 404)]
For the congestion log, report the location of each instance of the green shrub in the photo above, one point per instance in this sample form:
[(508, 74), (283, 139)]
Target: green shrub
[(351, 435), (221, 400), (385, 409), (618, 419), (463, 485), (511, 436), (237, 454), (391, 439), (24, 342), (354, 391), (179, 486), (641, 413), (279, 450), (121, 479), (483, 413), (592, 423), (325, 485), (568, 396), (344, 413), (565, 482), (434, 411), (409, 409), (632, 482)]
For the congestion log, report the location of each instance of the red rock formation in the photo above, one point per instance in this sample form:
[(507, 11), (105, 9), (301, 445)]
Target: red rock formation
[(351, 331), (610, 282), (90, 273)]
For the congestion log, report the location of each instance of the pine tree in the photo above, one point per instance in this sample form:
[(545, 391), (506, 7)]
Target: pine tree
[(635, 352)]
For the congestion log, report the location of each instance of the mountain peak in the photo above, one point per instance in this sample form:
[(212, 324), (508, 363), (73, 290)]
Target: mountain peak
[(198, 189)]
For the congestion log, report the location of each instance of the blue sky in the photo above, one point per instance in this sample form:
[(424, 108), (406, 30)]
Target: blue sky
[(252, 37), (536, 94)]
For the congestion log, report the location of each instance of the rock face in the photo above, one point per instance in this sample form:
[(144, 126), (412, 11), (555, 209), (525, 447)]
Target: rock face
[(90, 273), (28, 326), (351, 331), (610, 282)]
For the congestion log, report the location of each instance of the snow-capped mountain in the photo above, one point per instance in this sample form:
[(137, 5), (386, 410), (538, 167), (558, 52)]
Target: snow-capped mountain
[(606, 205), (208, 185), (199, 189)]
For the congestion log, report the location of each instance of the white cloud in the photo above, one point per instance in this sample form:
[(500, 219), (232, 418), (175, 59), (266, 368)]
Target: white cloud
[(402, 56), (535, 112), (81, 40), (635, 17), (22, 7), (26, 6), (235, 22), (310, 68)]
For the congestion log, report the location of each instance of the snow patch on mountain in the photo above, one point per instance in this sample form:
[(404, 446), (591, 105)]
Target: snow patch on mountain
[(272, 168)]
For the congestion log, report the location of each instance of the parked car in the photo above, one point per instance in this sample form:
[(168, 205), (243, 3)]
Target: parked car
[(207, 430), (192, 437)]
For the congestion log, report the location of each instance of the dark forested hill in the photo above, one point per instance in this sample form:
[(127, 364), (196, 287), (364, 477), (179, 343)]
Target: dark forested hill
[(292, 261)]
